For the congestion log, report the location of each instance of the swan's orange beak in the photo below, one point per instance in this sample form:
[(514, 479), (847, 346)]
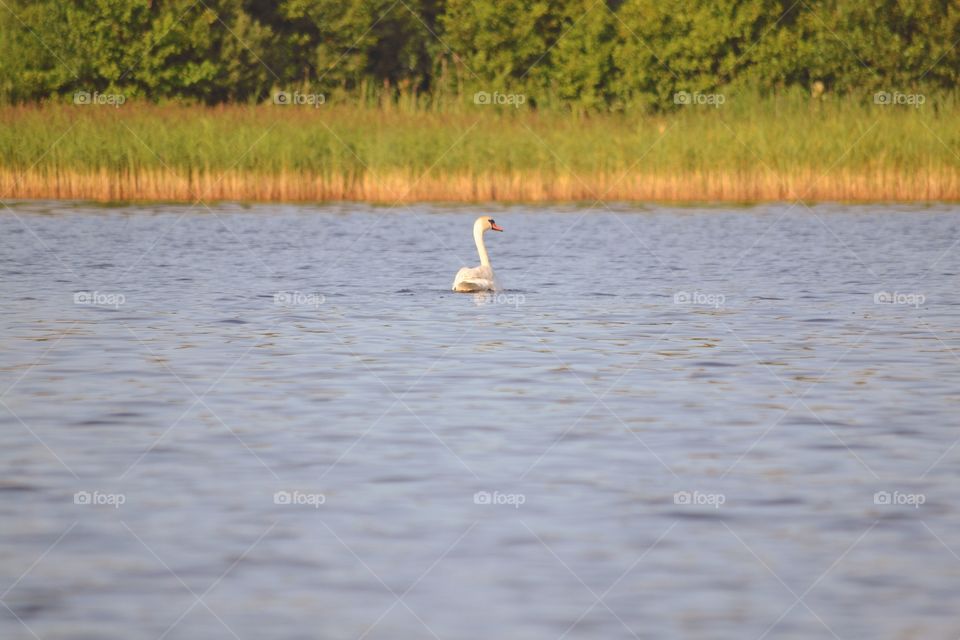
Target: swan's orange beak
[(493, 225)]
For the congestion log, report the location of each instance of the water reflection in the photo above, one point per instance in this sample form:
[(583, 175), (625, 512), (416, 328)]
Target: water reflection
[(676, 438)]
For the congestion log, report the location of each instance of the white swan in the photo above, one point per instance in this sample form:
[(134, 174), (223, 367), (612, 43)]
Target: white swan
[(478, 278)]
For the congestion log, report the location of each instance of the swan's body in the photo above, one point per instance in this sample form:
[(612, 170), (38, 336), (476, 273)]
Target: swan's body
[(478, 278), (475, 279)]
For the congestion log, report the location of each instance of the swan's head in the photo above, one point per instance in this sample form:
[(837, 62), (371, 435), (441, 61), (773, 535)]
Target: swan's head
[(485, 223)]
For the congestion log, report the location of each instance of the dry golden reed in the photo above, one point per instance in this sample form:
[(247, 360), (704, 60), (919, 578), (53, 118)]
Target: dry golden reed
[(399, 187)]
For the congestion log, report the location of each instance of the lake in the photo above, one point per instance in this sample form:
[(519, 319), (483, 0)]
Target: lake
[(276, 421)]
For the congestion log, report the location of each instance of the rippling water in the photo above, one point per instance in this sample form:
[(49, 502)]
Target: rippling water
[(277, 422)]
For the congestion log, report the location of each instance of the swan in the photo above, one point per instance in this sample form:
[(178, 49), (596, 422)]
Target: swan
[(478, 278)]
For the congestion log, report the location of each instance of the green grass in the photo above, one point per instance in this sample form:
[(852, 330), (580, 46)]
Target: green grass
[(783, 136)]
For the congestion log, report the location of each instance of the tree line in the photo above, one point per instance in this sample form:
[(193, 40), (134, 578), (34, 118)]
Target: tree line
[(582, 55)]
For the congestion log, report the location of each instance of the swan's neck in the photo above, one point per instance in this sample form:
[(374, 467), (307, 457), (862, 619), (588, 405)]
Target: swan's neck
[(481, 249)]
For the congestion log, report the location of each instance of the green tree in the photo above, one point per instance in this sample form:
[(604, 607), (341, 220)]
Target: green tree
[(361, 43), (864, 46), (584, 72), (663, 50), (586, 55), (503, 45), (178, 48)]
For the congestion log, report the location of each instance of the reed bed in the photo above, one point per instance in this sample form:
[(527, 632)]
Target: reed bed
[(760, 150), (396, 188)]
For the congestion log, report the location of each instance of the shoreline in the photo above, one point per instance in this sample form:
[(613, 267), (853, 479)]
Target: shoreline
[(400, 187)]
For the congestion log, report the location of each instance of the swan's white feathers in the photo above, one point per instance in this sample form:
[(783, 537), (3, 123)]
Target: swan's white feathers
[(475, 279)]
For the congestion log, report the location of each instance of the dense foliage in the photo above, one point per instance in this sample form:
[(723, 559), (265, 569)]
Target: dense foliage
[(584, 55)]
